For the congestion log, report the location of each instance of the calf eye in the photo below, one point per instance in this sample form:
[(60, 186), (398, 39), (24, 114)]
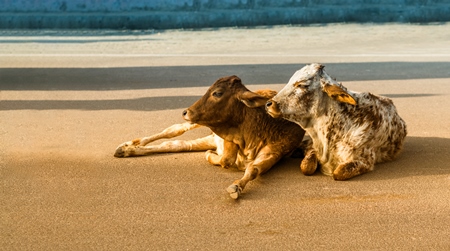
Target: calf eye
[(301, 84), (217, 94)]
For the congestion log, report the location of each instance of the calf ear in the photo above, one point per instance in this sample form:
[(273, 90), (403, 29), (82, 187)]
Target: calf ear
[(339, 94), (266, 93), (252, 99)]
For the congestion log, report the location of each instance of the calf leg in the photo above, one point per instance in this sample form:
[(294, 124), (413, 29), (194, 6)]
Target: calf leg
[(227, 159), (309, 162), (169, 132), (254, 168), (201, 144), (137, 147)]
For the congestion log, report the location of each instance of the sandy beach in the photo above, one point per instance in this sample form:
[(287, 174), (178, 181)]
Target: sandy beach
[(69, 98)]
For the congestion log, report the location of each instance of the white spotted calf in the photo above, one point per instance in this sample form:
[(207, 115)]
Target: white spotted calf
[(350, 131)]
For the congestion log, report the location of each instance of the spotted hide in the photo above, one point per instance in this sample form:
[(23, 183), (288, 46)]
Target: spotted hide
[(350, 131)]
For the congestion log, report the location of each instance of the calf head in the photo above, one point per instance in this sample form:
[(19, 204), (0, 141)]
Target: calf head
[(223, 104), (307, 95)]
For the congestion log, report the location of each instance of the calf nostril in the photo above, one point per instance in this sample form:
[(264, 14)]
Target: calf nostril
[(269, 103), (184, 113)]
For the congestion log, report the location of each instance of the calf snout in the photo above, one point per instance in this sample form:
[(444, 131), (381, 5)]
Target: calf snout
[(273, 109), (185, 115)]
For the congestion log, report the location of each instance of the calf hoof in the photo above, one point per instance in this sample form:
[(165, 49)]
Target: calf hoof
[(308, 165), (234, 191), (124, 150), (119, 153), (348, 171)]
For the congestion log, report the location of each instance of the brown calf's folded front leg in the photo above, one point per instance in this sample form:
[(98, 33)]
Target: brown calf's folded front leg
[(227, 159), (260, 165)]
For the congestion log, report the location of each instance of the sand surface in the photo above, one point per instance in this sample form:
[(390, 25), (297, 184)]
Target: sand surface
[(68, 99)]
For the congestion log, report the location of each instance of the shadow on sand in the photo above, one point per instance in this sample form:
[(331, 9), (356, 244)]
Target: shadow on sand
[(138, 104), (421, 156), (135, 78)]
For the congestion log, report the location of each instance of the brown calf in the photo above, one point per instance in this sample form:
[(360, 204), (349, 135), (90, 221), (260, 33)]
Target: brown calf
[(245, 136)]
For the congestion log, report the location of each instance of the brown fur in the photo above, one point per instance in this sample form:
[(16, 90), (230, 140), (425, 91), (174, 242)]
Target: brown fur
[(254, 141), (245, 136)]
